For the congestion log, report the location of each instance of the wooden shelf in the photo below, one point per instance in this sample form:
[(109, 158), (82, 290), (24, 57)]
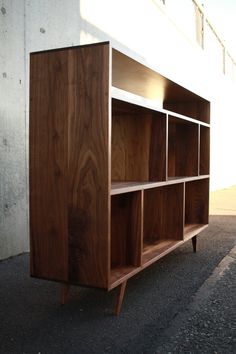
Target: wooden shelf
[(191, 230), (126, 187), (158, 247), (120, 274), (154, 251), (119, 177)]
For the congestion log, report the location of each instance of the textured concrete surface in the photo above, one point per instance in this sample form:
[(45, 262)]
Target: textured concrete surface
[(13, 165)]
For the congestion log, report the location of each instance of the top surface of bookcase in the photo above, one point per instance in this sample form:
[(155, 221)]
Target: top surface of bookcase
[(135, 76)]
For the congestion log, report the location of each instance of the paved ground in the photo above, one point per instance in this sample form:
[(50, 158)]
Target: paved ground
[(185, 303)]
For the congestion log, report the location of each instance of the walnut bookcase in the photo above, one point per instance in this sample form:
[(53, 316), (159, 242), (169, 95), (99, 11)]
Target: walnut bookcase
[(119, 166)]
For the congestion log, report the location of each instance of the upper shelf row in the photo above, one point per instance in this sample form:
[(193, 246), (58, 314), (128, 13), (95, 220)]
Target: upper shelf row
[(136, 78), (149, 145)]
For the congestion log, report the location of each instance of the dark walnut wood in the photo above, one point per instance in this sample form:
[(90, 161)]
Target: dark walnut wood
[(197, 202), (69, 165), (196, 108), (204, 150), (88, 166), (138, 143), (183, 148), (116, 181), (163, 216), (126, 230), (48, 160)]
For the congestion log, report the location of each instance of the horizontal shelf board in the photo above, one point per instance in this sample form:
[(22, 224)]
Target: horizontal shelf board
[(158, 246), (191, 230), (186, 179), (129, 97), (132, 98), (152, 252), (119, 274), (126, 187)]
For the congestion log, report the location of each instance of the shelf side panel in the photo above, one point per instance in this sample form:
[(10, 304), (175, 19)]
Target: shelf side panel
[(48, 165), (88, 168), (197, 202), (158, 148)]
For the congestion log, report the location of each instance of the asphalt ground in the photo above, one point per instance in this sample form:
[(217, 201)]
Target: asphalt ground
[(184, 303)]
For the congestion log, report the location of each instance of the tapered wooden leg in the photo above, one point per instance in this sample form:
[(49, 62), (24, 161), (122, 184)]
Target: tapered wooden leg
[(65, 292), (194, 243), (120, 298)]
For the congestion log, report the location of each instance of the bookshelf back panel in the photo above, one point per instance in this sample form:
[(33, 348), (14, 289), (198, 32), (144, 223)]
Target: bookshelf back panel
[(198, 108), (204, 150), (197, 202), (182, 148), (138, 143), (126, 229), (163, 213)]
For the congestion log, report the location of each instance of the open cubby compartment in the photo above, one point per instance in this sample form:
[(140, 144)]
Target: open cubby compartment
[(204, 150), (183, 148), (135, 77), (126, 230), (163, 220), (196, 206), (138, 150)]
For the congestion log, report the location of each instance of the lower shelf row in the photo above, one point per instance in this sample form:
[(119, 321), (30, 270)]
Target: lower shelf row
[(146, 225)]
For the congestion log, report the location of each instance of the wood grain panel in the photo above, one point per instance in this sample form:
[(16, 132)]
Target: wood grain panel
[(197, 202), (197, 109), (158, 148), (88, 165), (48, 165), (204, 150), (130, 147), (138, 143), (182, 148), (163, 214), (126, 230)]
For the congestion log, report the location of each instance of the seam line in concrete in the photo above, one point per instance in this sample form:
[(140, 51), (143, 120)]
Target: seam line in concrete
[(207, 287)]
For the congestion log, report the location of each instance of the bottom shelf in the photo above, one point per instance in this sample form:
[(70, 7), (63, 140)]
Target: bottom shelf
[(191, 230), (153, 251), (120, 274)]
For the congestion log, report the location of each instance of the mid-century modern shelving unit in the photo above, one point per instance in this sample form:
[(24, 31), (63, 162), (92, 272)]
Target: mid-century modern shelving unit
[(119, 166)]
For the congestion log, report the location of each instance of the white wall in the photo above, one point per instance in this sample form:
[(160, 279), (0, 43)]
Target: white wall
[(134, 26)]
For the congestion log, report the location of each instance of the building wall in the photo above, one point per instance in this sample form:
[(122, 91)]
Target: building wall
[(13, 172), (141, 27)]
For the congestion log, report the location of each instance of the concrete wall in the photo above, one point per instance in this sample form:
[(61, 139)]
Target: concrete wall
[(13, 171), (134, 26)]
